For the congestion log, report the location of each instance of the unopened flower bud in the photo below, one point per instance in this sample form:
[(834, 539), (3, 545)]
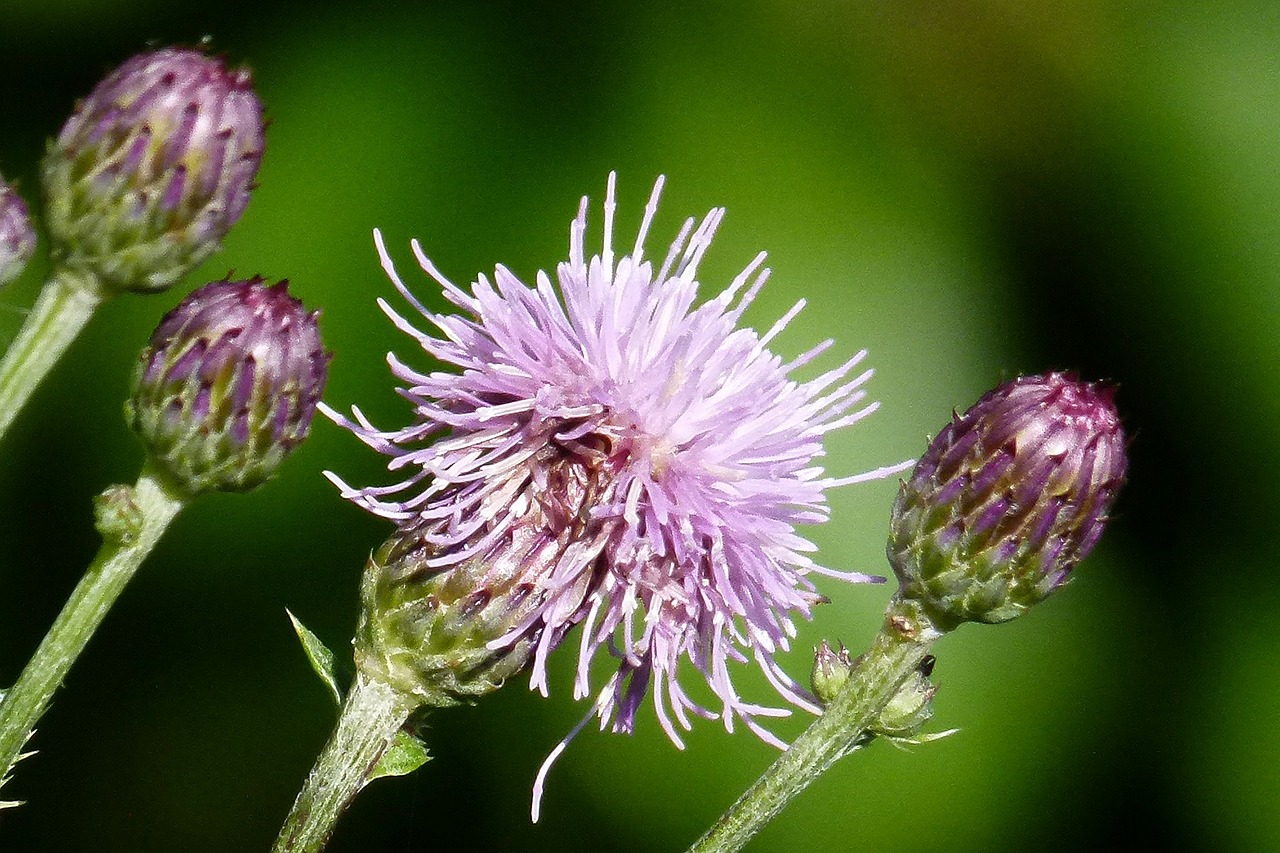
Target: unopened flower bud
[(17, 238), (228, 385), (902, 718), (911, 707), (831, 671), (153, 169), (1007, 499), (117, 516)]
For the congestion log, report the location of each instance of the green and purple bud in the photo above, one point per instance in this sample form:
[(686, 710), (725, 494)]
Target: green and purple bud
[(1008, 498), (17, 237), (228, 385), (152, 169), (453, 604), (426, 633)]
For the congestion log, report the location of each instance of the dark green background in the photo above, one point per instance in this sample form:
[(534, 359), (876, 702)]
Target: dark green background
[(969, 189)]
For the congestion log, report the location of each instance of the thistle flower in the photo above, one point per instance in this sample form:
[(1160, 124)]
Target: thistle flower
[(17, 238), (153, 169), (228, 385), (1008, 498), (690, 448)]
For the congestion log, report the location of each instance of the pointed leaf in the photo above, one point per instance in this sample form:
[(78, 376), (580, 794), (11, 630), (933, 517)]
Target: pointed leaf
[(319, 655), (405, 755)]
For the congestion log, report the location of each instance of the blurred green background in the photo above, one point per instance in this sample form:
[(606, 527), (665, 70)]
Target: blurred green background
[(969, 189)]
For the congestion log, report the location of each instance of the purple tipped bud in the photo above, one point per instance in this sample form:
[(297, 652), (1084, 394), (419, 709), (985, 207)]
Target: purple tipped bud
[(1007, 499), (228, 385), (153, 169), (17, 237)]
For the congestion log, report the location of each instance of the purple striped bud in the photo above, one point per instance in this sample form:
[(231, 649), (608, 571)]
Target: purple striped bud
[(1007, 499), (153, 169), (17, 237), (228, 385)]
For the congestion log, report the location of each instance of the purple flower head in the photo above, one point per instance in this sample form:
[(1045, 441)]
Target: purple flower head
[(17, 237), (153, 168), (1008, 498), (667, 454), (228, 385)]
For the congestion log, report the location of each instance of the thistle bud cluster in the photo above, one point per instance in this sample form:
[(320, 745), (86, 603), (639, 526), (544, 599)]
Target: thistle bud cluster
[(153, 169), (141, 185), (17, 237), (228, 385), (1007, 499)]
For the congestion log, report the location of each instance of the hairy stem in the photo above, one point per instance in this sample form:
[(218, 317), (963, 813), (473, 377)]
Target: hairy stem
[(896, 652), (119, 557), (371, 716), (65, 304)]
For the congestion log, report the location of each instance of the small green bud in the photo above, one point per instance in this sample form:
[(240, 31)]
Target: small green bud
[(911, 707), (1007, 500), (228, 385), (153, 169), (902, 719), (831, 670), (117, 516)]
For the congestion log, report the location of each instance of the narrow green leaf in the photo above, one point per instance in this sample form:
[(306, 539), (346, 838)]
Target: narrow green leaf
[(405, 755), (322, 660)]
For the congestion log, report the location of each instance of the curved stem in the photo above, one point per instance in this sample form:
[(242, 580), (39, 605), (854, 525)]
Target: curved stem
[(896, 652), (65, 304), (154, 504), (371, 716)]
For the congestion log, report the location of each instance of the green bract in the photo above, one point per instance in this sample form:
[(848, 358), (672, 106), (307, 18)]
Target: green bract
[(427, 632)]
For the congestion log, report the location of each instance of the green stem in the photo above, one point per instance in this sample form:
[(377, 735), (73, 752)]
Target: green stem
[(117, 560), (371, 716), (895, 653), (65, 304)]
